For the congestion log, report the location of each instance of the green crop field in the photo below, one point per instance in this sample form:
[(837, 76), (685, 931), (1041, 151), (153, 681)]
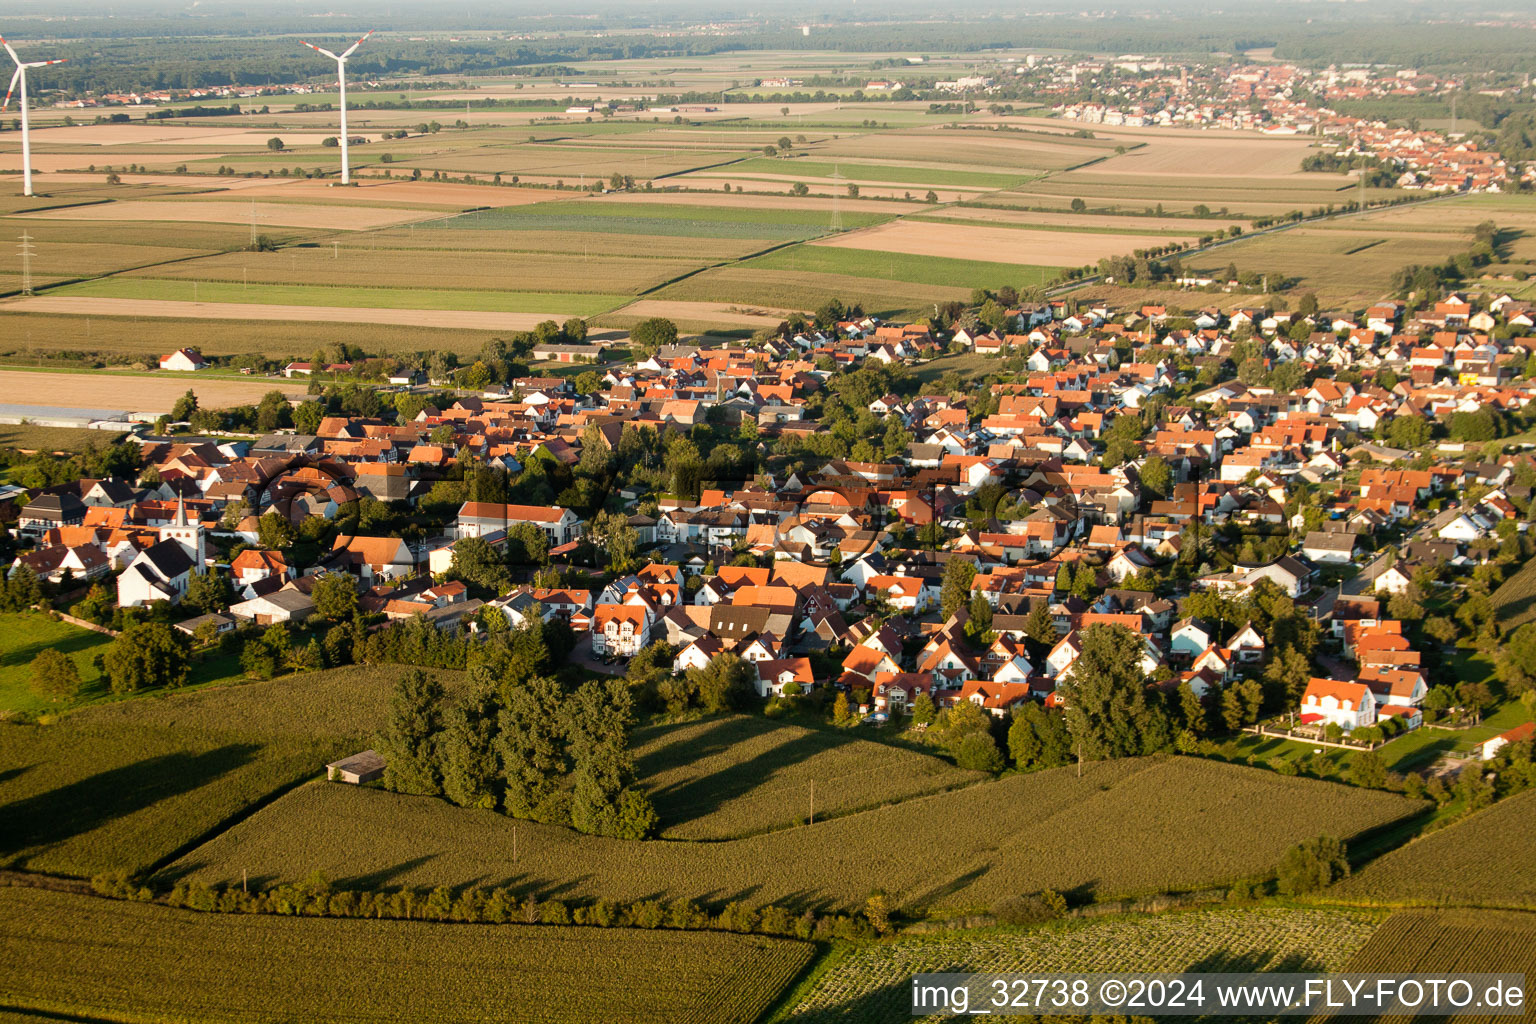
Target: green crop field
[(871, 984), (1484, 860), (563, 303), (31, 437), (657, 219), (84, 958), (790, 289), (1446, 942), (723, 778), (593, 244), (123, 339), (1514, 602), (1124, 827), (24, 635), (441, 271), (126, 784), (897, 266), (900, 174)]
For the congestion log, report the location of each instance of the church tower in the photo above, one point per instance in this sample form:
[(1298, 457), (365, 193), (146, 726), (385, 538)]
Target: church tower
[(189, 535)]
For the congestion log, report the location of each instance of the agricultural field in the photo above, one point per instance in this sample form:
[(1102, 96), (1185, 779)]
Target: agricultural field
[(871, 983), (82, 957), (755, 283), (946, 271), (1001, 244), (29, 437), (1446, 942), (1125, 827), (106, 391), (1484, 860), (24, 635), (1514, 603), (728, 777), (128, 784)]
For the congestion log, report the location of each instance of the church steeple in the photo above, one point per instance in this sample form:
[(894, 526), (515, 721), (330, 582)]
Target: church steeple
[(188, 534)]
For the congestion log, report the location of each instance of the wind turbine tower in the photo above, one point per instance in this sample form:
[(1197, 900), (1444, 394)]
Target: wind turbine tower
[(26, 125), (341, 79)]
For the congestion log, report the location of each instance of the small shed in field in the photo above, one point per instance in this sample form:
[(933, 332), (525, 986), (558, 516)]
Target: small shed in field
[(357, 769)]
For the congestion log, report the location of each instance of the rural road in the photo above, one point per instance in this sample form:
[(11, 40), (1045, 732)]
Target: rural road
[(459, 319)]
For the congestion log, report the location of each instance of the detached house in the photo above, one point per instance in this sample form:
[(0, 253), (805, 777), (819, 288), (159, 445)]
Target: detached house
[(620, 630), (1331, 701), (477, 518)]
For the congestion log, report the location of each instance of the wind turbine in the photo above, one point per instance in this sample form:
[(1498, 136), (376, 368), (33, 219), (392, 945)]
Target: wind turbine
[(26, 125), (341, 77)]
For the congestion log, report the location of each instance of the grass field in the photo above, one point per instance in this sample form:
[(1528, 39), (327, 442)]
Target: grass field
[(1483, 860), (31, 437), (126, 784), (1124, 827), (871, 984), (897, 266), (1514, 603), (657, 219), (723, 778), (24, 635), (156, 289), (80, 957), (1446, 942)]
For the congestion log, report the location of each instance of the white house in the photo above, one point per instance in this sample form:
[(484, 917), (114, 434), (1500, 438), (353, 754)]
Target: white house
[(620, 630), (1348, 705), (187, 360), (477, 518)]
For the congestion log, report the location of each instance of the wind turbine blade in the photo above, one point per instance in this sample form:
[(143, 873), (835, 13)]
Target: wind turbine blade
[(321, 49), (45, 63), (353, 48), (10, 51), (7, 104)]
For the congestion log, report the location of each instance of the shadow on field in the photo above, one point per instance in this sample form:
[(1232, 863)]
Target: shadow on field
[(73, 642), (701, 797), (92, 802), (891, 1002), (8, 774), (374, 880)]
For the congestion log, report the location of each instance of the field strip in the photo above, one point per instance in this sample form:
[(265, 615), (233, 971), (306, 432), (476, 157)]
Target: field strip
[(1005, 245), (464, 319), (717, 312), (107, 390), (337, 218)]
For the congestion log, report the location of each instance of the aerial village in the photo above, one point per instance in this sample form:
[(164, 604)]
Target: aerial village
[(1264, 498)]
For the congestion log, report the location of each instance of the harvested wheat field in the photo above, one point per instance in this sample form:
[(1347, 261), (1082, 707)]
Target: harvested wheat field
[(145, 133), (1099, 221), (339, 218), (460, 319), (1000, 245), (49, 163), (1199, 154), (429, 193), (714, 312), (108, 390)]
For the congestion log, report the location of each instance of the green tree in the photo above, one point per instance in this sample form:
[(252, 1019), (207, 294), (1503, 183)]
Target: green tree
[(273, 412), (274, 532), (335, 596), (275, 144), (1311, 865), (1039, 626), (923, 711), (589, 382), (724, 683), (531, 744), (476, 562), (841, 714), (977, 751), (54, 675), (208, 592), (1157, 477), (1023, 742), (611, 532), (1110, 710), (411, 738), (472, 773), (955, 592), (147, 655), (649, 336), (185, 406), (307, 417)]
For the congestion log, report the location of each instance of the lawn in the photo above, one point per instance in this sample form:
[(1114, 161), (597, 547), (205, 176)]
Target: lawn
[(733, 776), (872, 983), (566, 303), (72, 957), (896, 266), (130, 783), (1122, 828), (23, 635)]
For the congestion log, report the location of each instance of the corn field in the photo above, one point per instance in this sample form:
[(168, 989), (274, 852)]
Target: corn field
[(871, 983), (1126, 827), (1486, 860), (106, 959)]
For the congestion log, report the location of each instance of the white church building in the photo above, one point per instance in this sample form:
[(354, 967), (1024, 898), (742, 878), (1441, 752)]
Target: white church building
[(163, 571)]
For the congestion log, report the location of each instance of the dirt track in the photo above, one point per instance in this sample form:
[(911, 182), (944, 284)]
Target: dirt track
[(468, 320), (714, 312)]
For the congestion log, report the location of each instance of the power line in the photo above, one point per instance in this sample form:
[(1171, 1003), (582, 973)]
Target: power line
[(27, 251)]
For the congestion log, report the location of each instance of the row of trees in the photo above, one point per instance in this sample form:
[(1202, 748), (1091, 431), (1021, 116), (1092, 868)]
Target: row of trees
[(512, 743)]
